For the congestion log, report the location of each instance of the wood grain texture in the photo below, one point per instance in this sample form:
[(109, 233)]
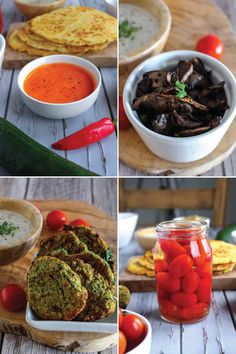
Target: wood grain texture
[(100, 157), (187, 39), (66, 188)]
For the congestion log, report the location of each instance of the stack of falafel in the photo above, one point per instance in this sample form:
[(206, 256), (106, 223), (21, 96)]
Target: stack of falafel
[(72, 277)]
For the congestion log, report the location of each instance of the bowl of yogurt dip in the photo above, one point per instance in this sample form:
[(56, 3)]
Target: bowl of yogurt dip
[(20, 227), (144, 27)]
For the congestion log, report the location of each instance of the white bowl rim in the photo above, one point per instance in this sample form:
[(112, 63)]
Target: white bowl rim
[(60, 56), (127, 215), (2, 43), (146, 322), (170, 139), (32, 233), (39, 5), (124, 60)]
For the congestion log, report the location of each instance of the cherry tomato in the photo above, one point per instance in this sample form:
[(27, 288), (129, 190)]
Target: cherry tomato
[(204, 291), (13, 297), (162, 294), (124, 122), (168, 308), (172, 249), (132, 327), (122, 342), (190, 282), (204, 270), (190, 313), (167, 283), (182, 299), (79, 222), (56, 219), (210, 45), (120, 318), (180, 266), (161, 265), (1, 20), (198, 252)]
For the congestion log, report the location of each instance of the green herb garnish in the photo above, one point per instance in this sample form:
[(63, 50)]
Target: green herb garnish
[(181, 89), (7, 228), (126, 30)]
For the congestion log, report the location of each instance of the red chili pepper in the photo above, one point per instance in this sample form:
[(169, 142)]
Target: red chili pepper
[(1, 20), (86, 136)]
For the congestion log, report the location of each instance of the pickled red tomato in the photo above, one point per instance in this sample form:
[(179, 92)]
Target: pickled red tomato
[(161, 265), (198, 252), (182, 299), (172, 249), (190, 282), (168, 307), (162, 294), (180, 266), (167, 283), (204, 270), (190, 313), (204, 290)]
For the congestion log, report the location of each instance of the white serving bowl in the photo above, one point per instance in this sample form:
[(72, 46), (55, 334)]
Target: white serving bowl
[(127, 223), (59, 110), (145, 346), (146, 237), (186, 149), (111, 7), (2, 49)]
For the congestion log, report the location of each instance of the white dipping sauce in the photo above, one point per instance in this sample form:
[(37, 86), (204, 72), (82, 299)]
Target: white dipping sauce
[(146, 24), (13, 227)]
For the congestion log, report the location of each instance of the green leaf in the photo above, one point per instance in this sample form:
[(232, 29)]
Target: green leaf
[(180, 85), (181, 94)]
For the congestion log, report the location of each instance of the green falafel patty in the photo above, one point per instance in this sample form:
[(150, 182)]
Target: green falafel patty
[(55, 291)]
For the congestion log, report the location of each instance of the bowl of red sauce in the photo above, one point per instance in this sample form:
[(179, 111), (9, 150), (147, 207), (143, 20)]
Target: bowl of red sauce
[(59, 86)]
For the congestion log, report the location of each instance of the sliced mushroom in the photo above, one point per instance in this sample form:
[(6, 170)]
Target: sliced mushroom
[(161, 124), (184, 70), (195, 104), (192, 132), (184, 121)]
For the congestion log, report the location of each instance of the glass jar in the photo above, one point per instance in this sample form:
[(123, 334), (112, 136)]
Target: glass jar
[(183, 270)]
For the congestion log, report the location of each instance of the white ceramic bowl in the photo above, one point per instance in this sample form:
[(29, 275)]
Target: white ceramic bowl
[(2, 49), (59, 110), (111, 7), (181, 149), (146, 238), (145, 346), (127, 223)]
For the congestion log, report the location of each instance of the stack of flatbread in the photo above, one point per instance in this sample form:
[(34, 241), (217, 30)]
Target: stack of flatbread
[(224, 257), (70, 30), (224, 260)]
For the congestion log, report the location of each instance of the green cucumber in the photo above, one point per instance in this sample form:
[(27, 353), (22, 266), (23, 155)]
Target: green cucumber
[(22, 156)]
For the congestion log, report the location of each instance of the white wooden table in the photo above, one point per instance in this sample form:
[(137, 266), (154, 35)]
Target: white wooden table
[(100, 157), (215, 335), (90, 190), (227, 167)]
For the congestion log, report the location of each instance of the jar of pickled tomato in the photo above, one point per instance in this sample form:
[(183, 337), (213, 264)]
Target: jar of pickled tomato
[(183, 270)]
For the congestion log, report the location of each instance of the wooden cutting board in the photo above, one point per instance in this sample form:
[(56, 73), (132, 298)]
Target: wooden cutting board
[(190, 20), (16, 60), (16, 273), (142, 283)]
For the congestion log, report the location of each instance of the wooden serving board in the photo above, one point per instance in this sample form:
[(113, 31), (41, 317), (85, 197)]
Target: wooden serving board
[(16, 273), (190, 20), (142, 283), (16, 60)]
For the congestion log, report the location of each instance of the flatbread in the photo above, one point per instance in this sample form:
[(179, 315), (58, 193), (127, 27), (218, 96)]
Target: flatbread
[(76, 26), (226, 270), (135, 268), (223, 252), (145, 262)]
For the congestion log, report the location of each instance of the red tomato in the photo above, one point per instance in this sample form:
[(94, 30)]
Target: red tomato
[(180, 266), (190, 282), (124, 122), (172, 249), (167, 307), (120, 318), (56, 220), (13, 297), (166, 282), (198, 252), (204, 270), (161, 265), (79, 222), (204, 291), (182, 299), (191, 313), (1, 20), (132, 327), (122, 342), (210, 45), (162, 294)]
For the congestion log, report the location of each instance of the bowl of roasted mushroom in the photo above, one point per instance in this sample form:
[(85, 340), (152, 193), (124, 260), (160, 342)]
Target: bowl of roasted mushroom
[(181, 103)]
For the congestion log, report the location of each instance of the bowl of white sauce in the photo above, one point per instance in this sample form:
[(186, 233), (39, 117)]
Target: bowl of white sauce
[(20, 227), (144, 27)]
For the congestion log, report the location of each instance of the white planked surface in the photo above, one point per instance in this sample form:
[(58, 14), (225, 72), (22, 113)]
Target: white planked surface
[(228, 167), (100, 157), (99, 191)]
